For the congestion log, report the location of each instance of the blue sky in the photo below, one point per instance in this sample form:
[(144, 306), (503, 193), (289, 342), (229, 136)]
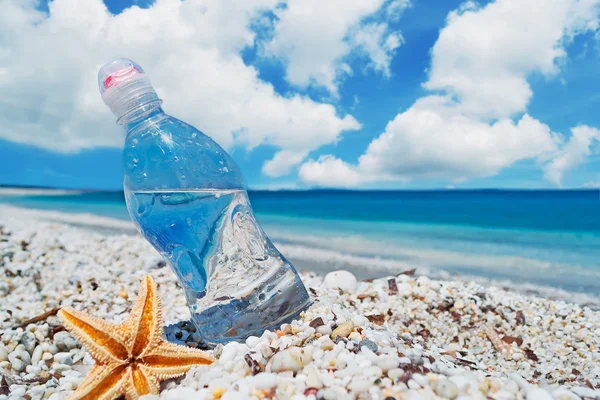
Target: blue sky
[(564, 86)]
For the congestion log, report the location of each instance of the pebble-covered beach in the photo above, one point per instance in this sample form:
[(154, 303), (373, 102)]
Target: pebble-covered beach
[(400, 337)]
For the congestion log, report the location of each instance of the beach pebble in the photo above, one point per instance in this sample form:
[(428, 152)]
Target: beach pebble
[(63, 358), (28, 340), (539, 394), (266, 351), (446, 389), (583, 392), (327, 345), (64, 341), (360, 385), (265, 380), (17, 392), (36, 356), (395, 373), (252, 341), (564, 394), (234, 395), (291, 359), (343, 330), (19, 359), (369, 344), (387, 363), (341, 279), (3, 353), (313, 379)]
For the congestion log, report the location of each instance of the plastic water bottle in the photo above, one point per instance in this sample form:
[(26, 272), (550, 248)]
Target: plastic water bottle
[(187, 197)]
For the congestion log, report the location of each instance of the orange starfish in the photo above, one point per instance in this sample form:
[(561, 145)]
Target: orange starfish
[(131, 358)]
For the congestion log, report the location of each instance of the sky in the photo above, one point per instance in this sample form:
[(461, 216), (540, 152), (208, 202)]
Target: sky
[(391, 94)]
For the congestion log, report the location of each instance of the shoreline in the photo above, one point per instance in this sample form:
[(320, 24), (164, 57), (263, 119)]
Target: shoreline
[(17, 191), (317, 260)]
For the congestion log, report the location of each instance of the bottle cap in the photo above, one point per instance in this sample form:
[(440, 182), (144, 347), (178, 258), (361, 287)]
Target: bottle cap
[(125, 87), (116, 72)]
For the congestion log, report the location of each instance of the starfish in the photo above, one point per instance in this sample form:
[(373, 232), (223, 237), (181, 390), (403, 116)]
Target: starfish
[(131, 358)]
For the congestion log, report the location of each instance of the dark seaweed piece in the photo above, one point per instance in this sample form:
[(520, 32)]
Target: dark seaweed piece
[(531, 355), (255, 367), (446, 305), (424, 333), (409, 272), (315, 323), (512, 339), (377, 319), (392, 286)]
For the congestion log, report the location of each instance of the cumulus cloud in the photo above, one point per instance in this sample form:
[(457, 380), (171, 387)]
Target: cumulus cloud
[(314, 37), (283, 162), (476, 124), (572, 154), (331, 171), (191, 50)]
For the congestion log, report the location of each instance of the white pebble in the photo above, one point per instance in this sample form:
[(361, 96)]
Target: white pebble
[(412, 384), (36, 356), (291, 359), (395, 374), (539, 394), (265, 380), (63, 358), (19, 359), (446, 389), (583, 391), (313, 379), (388, 362), (233, 395), (372, 372), (359, 385), (341, 279), (422, 380), (564, 394), (252, 341), (18, 392)]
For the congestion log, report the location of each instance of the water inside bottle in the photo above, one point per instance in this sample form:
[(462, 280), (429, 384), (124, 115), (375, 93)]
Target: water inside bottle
[(236, 282)]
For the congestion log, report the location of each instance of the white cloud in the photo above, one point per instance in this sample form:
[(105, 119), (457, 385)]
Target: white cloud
[(480, 65), (314, 37), (378, 44), (395, 8), (283, 162), (191, 50), (432, 140), (572, 154), (330, 171)]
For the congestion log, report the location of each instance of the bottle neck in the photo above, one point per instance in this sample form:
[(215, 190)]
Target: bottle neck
[(143, 116)]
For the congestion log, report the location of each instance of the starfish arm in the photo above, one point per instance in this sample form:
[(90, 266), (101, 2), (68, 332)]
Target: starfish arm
[(90, 379), (145, 320), (104, 384), (169, 360), (139, 383), (101, 339)]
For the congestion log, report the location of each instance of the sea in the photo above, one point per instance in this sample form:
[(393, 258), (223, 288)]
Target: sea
[(546, 238)]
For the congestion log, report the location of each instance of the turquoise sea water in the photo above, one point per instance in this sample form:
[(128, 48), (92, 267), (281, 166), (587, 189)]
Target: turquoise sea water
[(540, 237)]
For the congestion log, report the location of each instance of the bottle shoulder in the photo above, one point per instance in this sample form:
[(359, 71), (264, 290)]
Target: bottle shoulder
[(171, 154)]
